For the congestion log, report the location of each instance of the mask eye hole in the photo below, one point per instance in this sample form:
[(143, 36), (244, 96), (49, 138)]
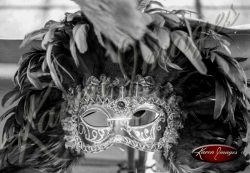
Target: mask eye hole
[(143, 117), (95, 118), (139, 113)]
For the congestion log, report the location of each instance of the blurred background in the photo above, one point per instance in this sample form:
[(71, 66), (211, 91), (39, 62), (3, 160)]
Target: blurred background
[(19, 17)]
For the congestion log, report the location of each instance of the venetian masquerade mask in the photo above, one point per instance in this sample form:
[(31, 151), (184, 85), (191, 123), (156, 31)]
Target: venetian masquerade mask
[(107, 112)]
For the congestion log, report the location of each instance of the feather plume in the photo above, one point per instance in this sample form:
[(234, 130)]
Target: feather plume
[(118, 20)]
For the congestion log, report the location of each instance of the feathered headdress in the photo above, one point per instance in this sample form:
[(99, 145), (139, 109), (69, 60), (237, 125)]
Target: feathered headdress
[(115, 38)]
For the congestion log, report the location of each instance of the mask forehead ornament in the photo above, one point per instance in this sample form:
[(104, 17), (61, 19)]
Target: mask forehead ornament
[(107, 112)]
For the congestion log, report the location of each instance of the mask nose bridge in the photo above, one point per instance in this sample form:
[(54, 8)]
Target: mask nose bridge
[(120, 122)]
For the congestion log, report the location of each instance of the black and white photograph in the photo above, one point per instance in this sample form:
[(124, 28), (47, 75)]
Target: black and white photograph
[(124, 86)]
